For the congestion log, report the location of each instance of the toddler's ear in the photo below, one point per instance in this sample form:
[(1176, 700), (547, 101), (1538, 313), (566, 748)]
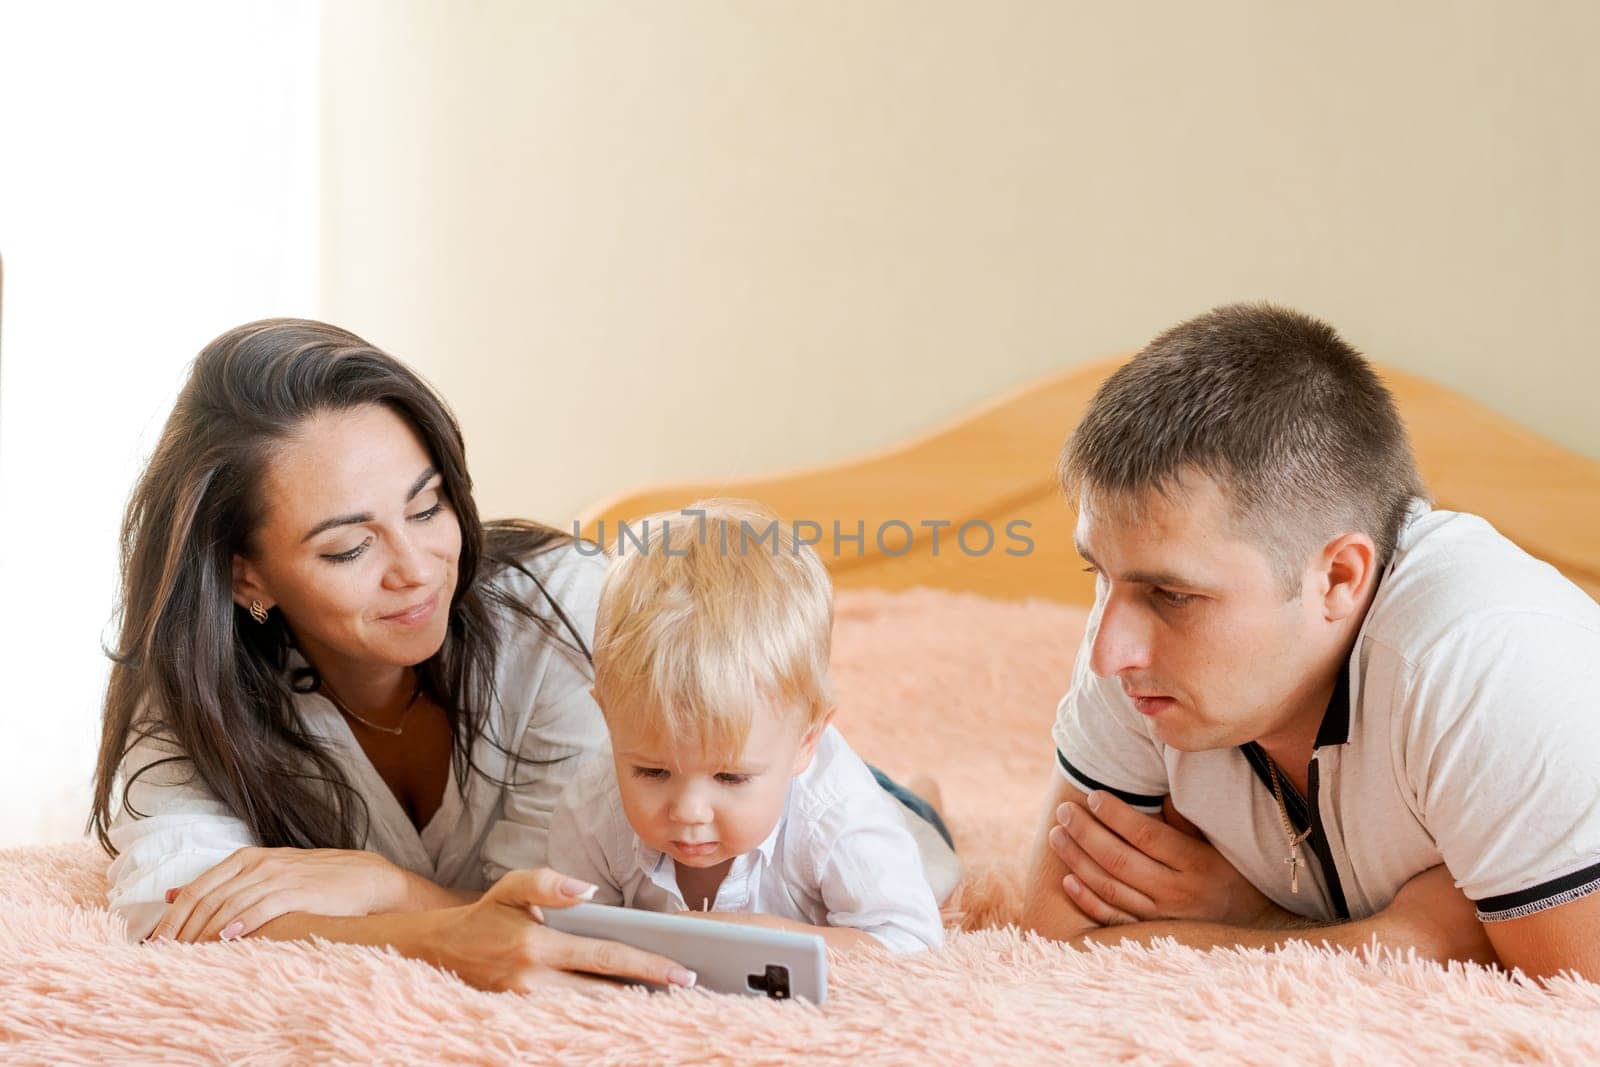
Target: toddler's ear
[(808, 744)]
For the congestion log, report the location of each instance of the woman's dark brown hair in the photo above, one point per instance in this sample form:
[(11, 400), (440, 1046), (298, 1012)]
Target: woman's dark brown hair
[(192, 668)]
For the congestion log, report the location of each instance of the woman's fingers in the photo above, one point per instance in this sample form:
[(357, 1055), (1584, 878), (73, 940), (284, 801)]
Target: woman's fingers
[(611, 958), (242, 899), (247, 920), (1116, 896), (531, 889), (206, 908), (182, 900)]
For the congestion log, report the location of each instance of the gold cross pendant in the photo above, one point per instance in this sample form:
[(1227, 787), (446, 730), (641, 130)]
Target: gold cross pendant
[(1294, 870)]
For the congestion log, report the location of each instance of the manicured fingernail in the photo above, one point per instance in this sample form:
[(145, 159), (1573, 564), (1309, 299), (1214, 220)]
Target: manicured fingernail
[(578, 890), (232, 930), (1073, 885), (1064, 814), (1058, 836), (172, 894), (682, 976), (1094, 798)]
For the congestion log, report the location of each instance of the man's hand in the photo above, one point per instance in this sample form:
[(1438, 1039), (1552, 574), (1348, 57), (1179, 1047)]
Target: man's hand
[(1124, 866), (1046, 909)]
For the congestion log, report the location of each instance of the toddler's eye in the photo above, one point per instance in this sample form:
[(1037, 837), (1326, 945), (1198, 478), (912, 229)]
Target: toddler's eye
[(733, 779), (654, 774)]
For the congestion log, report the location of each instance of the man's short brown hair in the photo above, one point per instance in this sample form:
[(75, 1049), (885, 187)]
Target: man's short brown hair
[(1272, 405)]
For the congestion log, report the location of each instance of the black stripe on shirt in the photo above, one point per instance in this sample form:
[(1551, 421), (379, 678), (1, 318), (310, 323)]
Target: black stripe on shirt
[(1303, 815), (1137, 800), (1527, 901)]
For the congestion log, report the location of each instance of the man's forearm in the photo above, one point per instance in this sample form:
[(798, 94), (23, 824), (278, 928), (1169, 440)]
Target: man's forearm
[(1217, 935), (1381, 929)]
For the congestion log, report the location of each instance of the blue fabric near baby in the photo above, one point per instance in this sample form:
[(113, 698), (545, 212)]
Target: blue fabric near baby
[(917, 805)]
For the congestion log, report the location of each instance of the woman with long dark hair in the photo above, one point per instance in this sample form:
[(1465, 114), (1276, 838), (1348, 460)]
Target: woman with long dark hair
[(340, 704)]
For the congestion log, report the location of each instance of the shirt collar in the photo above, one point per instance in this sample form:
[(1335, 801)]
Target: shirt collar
[(1335, 728), (658, 866)]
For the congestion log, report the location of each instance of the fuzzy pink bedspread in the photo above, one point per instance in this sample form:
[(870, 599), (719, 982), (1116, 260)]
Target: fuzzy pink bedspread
[(929, 682)]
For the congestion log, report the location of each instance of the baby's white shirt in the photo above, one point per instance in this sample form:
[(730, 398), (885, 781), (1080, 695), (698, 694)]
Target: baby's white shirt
[(840, 855)]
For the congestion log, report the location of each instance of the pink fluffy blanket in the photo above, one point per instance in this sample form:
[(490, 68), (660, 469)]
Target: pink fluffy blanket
[(956, 686)]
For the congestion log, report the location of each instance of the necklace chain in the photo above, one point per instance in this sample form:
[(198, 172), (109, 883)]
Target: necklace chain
[(1293, 859), (393, 731)]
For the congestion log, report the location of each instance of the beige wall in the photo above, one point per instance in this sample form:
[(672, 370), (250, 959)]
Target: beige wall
[(636, 241)]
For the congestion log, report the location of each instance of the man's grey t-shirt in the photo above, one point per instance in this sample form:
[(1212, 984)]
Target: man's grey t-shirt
[(1466, 730)]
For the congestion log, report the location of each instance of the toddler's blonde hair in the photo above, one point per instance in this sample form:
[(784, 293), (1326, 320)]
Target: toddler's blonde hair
[(708, 614)]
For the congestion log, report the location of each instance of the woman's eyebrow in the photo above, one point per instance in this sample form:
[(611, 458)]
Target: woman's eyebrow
[(417, 486), (355, 520), (339, 520)]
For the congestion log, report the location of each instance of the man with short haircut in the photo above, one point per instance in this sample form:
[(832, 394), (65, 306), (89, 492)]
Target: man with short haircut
[(1383, 719)]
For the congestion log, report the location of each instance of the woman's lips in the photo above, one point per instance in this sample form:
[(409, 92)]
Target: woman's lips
[(1152, 706), (415, 616)]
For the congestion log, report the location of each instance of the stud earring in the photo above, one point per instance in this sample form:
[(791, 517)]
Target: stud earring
[(257, 612)]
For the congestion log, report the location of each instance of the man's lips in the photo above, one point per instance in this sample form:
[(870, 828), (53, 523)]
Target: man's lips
[(416, 614), (1151, 704), (696, 848)]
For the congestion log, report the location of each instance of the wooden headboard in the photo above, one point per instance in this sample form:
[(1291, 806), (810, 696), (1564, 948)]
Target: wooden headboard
[(996, 465)]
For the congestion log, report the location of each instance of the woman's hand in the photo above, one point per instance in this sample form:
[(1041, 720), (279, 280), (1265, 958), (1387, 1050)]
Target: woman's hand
[(500, 943), (256, 885), (1126, 867)]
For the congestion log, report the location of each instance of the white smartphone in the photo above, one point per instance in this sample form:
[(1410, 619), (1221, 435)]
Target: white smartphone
[(726, 957)]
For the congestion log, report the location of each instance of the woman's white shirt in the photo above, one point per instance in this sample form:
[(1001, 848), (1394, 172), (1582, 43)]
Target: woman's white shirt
[(545, 714)]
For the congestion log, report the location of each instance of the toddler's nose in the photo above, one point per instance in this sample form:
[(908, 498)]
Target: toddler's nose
[(690, 809)]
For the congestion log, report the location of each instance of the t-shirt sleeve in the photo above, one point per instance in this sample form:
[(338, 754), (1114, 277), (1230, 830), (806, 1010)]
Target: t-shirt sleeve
[(561, 726), (1501, 744), (171, 829), (1101, 741)]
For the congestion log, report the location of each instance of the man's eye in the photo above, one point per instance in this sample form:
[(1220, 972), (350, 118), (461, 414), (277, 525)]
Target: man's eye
[(733, 779), (654, 774), (1176, 600)]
